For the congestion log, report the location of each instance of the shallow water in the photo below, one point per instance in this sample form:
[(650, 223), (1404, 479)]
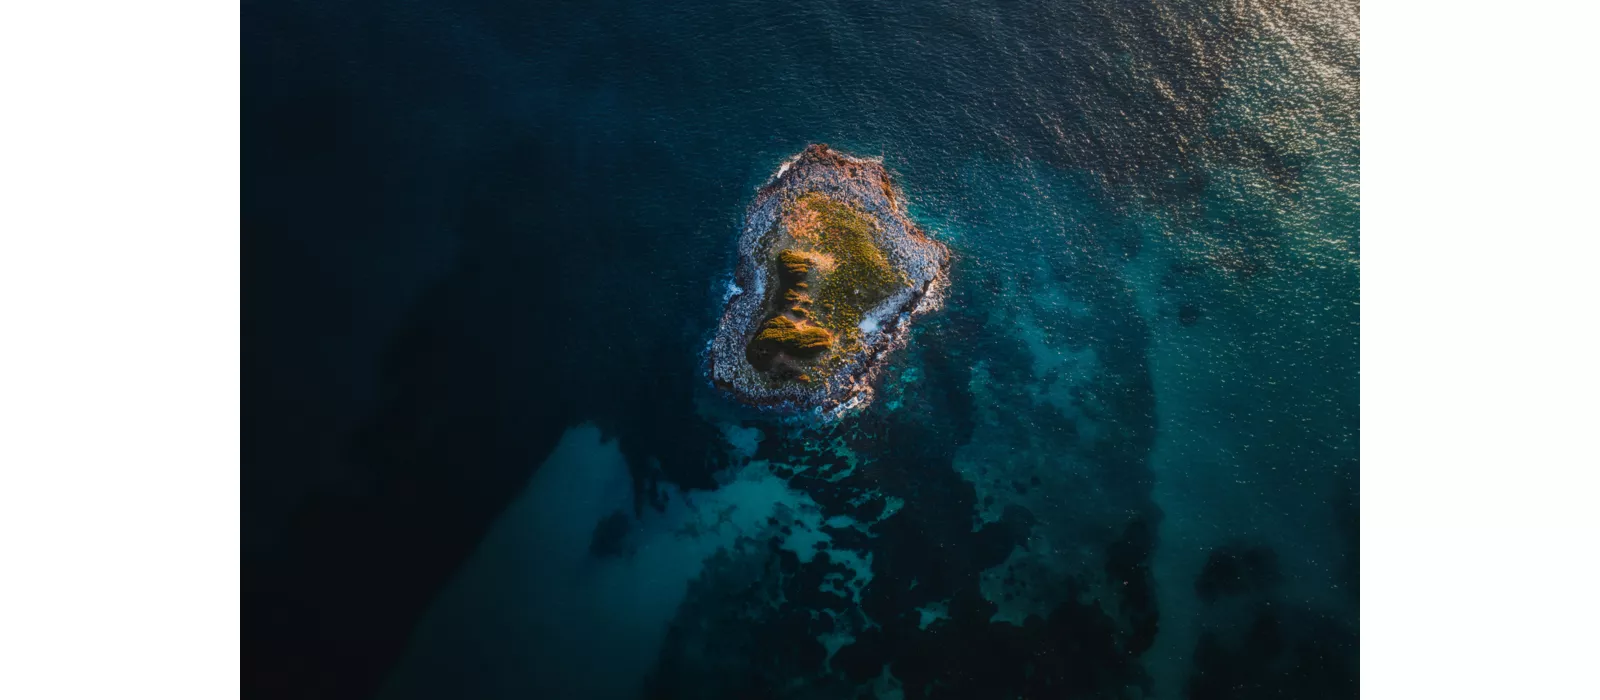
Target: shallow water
[(487, 242)]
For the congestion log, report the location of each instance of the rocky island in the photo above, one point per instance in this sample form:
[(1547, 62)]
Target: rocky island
[(830, 274)]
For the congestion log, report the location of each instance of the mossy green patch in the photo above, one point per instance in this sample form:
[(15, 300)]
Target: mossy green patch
[(793, 337), (793, 266), (861, 277), (781, 335), (830, 272)]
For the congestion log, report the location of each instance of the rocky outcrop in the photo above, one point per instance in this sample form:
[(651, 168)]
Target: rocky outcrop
[(831, 274)]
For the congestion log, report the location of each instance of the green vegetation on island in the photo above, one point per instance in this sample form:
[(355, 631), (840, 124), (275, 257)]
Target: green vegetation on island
[(830, 272)]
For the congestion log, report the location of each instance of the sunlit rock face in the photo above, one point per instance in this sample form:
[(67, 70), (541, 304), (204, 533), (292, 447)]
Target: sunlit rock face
[(831, 274)]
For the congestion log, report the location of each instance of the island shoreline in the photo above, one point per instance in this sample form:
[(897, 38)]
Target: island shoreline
[(922, 263)]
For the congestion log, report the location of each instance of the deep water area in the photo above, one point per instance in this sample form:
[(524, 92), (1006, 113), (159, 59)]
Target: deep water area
[(486, 244)]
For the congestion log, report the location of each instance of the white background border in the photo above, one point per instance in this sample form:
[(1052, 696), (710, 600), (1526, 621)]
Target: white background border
[(1479, 545), (119, 350)]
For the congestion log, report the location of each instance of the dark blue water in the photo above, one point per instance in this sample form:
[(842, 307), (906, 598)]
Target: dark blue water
[(486, 243)]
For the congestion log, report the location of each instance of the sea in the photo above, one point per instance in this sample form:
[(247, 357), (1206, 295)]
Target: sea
[(486, 242)]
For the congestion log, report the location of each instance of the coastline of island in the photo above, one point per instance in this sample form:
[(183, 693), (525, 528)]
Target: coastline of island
[(831, 274)]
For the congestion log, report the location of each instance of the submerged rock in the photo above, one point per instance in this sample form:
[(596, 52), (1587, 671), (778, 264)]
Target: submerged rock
[(831, 274)]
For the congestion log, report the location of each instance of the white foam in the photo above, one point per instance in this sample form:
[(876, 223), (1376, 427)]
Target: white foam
[(785, 166)]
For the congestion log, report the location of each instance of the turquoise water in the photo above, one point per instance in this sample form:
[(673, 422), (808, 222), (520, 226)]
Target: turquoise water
[(1121, 461)]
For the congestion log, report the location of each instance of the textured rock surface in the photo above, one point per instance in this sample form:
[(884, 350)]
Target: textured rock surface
[(840, 378)]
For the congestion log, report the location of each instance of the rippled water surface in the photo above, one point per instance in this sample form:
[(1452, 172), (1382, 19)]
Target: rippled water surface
[(486, 243)]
